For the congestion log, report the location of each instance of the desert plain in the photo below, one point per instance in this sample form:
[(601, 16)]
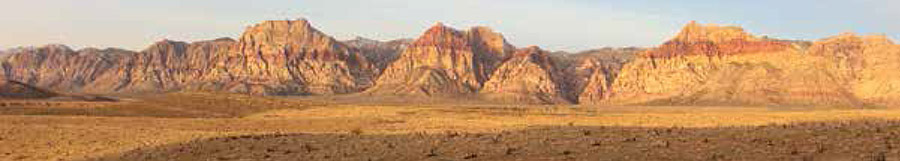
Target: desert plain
[(219, 126)]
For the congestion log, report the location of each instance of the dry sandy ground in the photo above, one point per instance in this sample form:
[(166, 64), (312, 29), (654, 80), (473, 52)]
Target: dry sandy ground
[(865, 140), (41, 133)]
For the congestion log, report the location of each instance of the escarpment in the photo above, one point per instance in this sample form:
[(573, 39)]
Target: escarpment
[(290, 57), (529, 76), (706, 65), (379, 53), (713, 65), (271, 58), (444, 61), (714, 40), (866, 65)]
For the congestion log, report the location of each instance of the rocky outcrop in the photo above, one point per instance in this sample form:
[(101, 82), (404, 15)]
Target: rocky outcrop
[(596, 87), (702, 65), (381, 54), (711, 65), (289, 57), (59, 68), (274, 57), (865, 64), (530, 76), (589, 74), (444, 61), (714, 40)]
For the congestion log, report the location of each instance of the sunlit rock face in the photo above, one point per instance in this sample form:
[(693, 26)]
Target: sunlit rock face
[(589, 74), (713, 65), (714, 40), (293, 57), (702, 65), (866, 64), (271, 58), (530, 76), (57, 67), (444, 61)]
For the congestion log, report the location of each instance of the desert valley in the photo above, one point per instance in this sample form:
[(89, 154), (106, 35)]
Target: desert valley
[(284, 90)]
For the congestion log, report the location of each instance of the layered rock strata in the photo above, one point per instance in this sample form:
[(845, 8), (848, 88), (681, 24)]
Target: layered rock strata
[(444, 61), (271, 58), (530, 76)]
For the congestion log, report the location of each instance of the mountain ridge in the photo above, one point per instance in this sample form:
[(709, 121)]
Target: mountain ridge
[(704, 64)]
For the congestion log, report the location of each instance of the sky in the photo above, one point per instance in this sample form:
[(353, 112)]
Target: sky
[(569, 25)]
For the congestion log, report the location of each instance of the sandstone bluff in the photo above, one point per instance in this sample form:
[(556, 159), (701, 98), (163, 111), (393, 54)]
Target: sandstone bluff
[(702, 65)]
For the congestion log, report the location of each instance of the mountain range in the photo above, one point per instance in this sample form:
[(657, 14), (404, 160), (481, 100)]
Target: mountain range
[(704, 64)]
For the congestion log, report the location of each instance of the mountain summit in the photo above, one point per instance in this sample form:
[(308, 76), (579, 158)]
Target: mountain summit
[(444, 61), (703, 64), (270, 58), (715, 40)]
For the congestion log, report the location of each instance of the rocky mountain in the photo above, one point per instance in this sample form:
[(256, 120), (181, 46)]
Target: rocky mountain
[(444, 61), (274, 57), (715, 65), (865, 65), (529, 76), (701, 65), (59, 68), (289, 57), (591, 73), (714, 40), (380, 53)]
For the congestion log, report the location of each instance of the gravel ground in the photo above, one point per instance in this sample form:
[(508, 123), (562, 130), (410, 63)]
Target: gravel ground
[(854, 140)]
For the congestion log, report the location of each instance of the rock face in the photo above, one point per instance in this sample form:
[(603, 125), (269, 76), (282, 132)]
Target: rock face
[(530, 76), (285, 57), (444, 61), (381, 54), (597, 86), (591, 73), (713, 40), (274, 57), (865, 64), (702, 65), (59, 68), (698, 68), (711, 65)]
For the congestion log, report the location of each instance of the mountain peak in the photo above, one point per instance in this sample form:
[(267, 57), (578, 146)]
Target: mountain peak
[(533, 52), (439, 27), (489, 41), (292, 34), (299, 21), (696, 32), (869, 39), (715, 40), (167, 41), (57, 46), (532, 49), (442, 35), (482, 29)]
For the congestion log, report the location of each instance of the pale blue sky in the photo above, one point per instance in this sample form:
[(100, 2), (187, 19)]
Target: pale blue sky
[(552, 24)]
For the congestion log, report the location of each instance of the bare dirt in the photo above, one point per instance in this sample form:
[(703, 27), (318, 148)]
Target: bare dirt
[(864, 140), (203, 126)]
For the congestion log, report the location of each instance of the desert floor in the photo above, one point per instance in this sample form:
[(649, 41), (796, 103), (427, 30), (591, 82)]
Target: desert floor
[(201, 126)]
